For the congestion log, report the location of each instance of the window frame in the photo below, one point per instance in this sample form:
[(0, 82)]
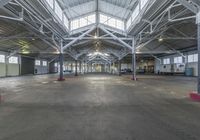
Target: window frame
[(192, 58), (39, 62), (44, 63), (178, 60), (111, 21), (13, 60), (2, 58), (77, 24), (166, 61)]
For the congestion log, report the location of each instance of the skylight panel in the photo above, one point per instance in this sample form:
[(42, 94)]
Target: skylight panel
[(143, 3), (91, 19), (135, 13), (66, 22), (58, 10), (120, 24), (83, 21), (112, 22), (75, 24), (128, 24), (103, 19), (51, 3)]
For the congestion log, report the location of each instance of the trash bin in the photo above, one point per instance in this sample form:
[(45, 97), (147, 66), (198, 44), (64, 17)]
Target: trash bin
[(189, 71)]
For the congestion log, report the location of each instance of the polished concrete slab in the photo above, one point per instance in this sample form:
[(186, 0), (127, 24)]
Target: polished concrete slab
[(98, 107)]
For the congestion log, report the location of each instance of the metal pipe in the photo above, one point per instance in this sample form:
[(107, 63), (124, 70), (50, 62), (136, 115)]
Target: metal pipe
[(12, 18)]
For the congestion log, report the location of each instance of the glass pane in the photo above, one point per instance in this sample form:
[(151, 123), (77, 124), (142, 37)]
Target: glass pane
[(175, 60), (66, 22), (83, 22), (55, 64), (2, 58), (190, 58), (75, 24), (103, 19), (37, 62), (128, 24), (44, 63), (50, 2), (166, 61), (180, 59), (13, 60), (143, 3), (120, 24), (195, 57), (135, 13), (111, 22), (58, 10), (91, 19)]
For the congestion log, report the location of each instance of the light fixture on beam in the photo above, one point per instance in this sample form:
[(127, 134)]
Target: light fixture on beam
[(160, 39), (95, 36)]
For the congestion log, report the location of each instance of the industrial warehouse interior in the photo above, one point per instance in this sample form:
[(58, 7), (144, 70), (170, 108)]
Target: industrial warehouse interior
[(99, 69)]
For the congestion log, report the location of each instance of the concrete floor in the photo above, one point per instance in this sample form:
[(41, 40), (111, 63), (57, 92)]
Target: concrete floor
[(98, 107)]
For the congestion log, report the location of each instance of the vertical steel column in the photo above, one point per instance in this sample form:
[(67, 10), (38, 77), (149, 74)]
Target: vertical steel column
[(61, 59), (80, 67), (76, 67), (84, 66), (196, 96), (109, 67), (133, 60), (198, 38), (119, 67), (61, 66), (113, 71), (71, 66), (87, 68)]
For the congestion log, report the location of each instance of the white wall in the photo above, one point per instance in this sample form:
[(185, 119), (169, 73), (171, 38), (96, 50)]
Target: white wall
[(7, 69), (2, 70), (13, 69), (159, 66), (41, 69)]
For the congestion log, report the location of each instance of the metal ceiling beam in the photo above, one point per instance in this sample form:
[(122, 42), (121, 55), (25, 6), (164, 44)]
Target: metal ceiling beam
[(115, 37), (4, 2), (98, 38), (189, 5), (78, 38)]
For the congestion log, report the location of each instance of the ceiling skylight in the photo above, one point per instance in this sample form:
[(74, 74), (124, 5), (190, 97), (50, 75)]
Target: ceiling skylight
[(112, 22), (83, 21)]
